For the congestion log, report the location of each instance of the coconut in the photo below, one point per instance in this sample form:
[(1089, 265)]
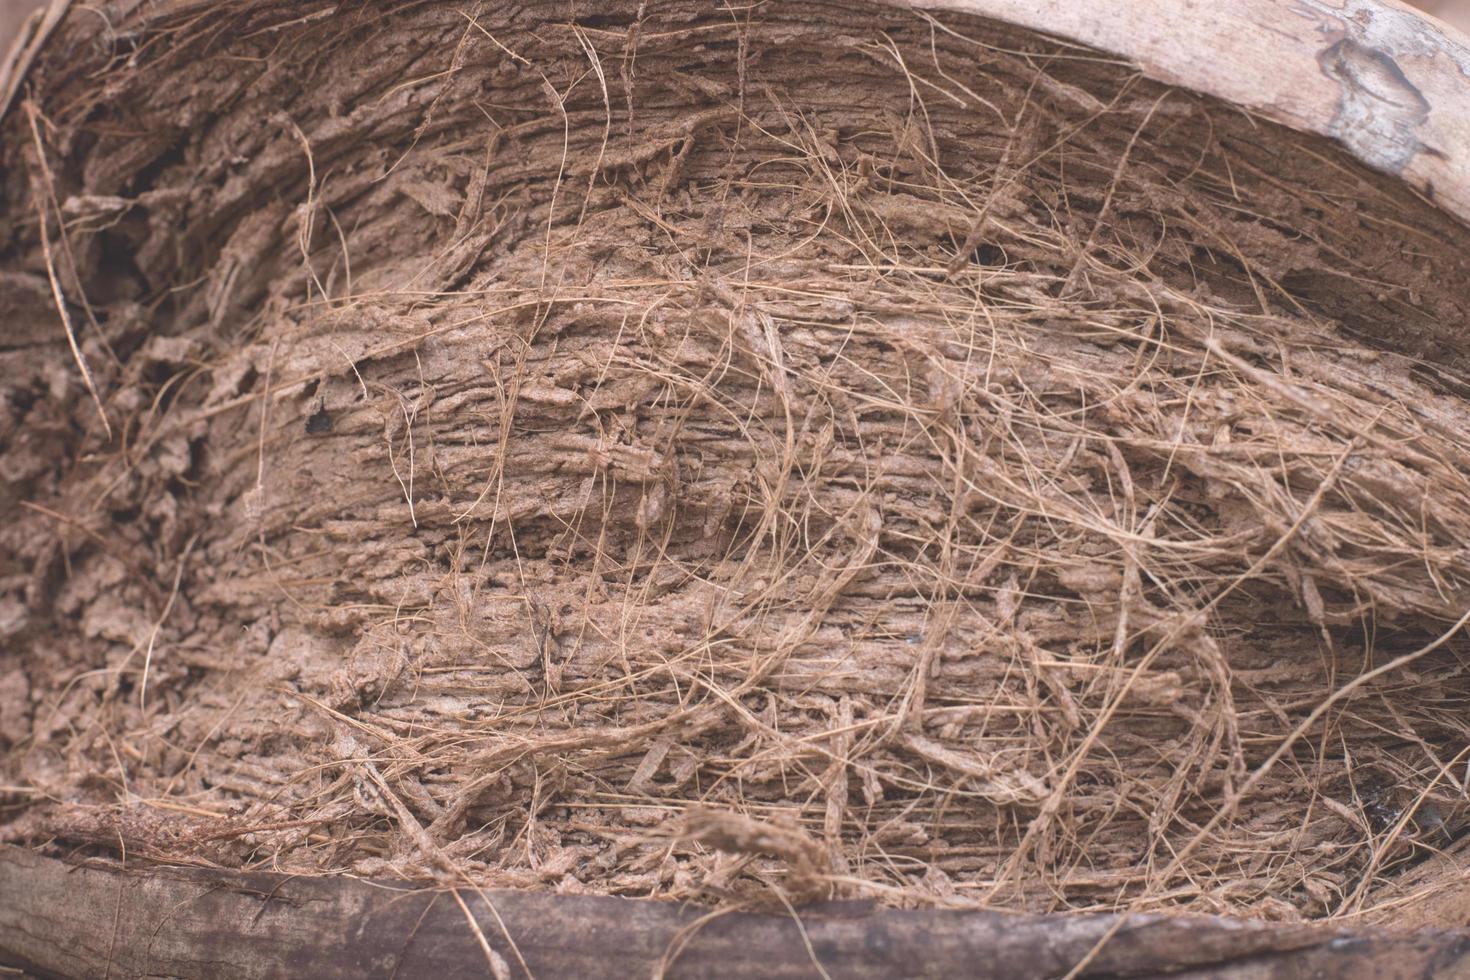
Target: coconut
[(723, 454)]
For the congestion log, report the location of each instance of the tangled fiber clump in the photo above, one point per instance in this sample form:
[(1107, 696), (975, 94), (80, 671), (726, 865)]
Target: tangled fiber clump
[(822, 449)]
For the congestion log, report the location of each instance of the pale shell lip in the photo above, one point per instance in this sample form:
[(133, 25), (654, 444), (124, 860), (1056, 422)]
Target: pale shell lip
[(1388, 83)]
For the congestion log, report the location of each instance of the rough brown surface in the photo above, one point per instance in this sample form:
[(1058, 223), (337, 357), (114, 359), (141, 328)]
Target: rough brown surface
[(821, 450)]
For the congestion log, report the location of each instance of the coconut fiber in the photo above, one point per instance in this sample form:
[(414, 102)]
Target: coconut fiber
[(740, 454)]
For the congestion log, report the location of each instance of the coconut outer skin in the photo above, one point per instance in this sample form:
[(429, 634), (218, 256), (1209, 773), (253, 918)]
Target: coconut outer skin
[(502, 471)]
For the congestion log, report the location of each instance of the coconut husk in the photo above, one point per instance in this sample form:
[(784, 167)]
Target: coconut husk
[(743, 455)]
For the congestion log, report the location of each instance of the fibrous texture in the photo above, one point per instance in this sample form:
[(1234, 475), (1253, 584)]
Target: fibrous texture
[(819, 449)]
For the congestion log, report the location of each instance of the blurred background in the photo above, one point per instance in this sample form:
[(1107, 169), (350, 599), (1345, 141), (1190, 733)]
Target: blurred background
[(1456, 12)]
